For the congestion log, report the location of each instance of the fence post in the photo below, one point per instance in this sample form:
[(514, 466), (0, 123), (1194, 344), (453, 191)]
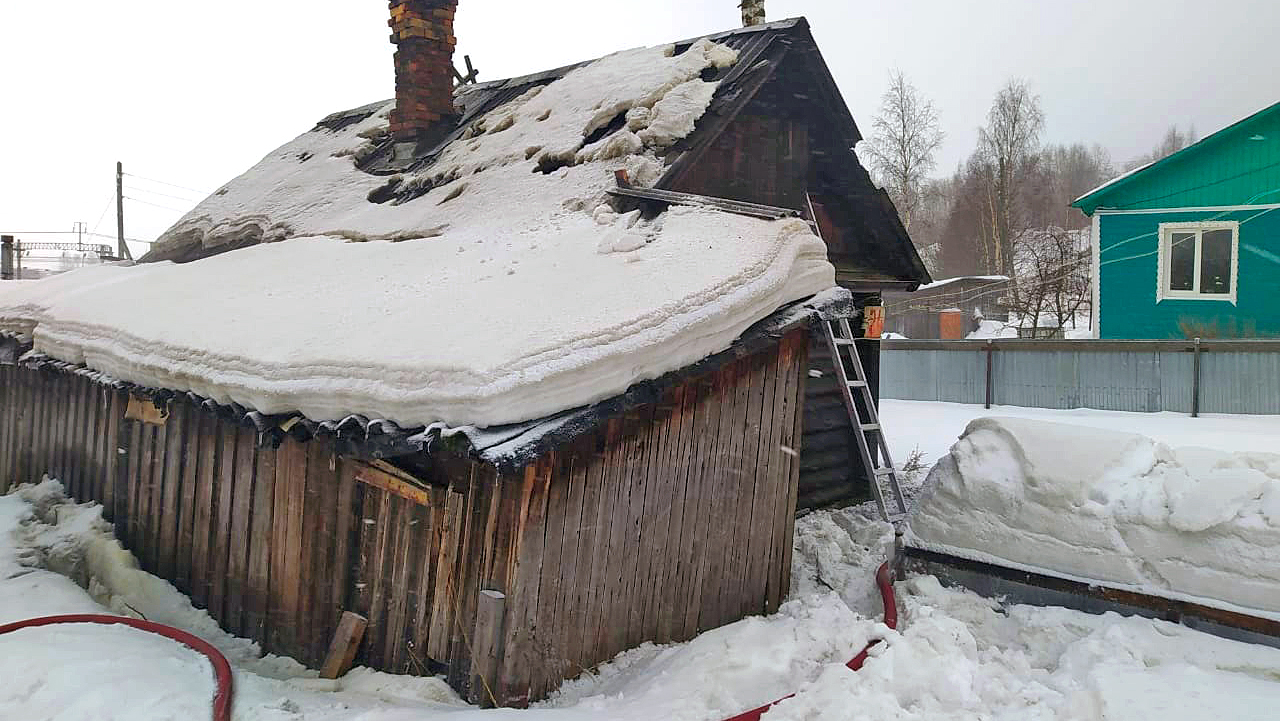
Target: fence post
[(990, 391), (6, 257), (1195, 381)]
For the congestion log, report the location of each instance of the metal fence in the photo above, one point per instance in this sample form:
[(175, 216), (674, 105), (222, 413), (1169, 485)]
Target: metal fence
[(1212, 376)]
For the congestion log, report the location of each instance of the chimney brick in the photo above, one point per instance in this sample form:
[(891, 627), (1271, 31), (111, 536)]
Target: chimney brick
[(422, 31)]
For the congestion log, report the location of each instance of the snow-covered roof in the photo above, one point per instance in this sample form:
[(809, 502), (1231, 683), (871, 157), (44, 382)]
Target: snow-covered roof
[(483, 293)]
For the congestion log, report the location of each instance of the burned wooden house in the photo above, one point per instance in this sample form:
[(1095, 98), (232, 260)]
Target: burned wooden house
[(634, 484)]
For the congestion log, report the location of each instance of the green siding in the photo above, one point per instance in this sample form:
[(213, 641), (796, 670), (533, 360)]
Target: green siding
[(1226, 168), (1129, 263)]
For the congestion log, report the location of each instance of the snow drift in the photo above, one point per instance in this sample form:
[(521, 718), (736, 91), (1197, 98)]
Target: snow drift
[(501, 294), (1116, 509)]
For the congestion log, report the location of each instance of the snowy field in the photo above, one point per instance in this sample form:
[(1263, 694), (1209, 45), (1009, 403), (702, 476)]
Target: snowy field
[(957, 656), (933, 427)]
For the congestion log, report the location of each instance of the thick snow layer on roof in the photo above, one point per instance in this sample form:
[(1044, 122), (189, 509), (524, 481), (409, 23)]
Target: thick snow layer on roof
[(1113, 508), (512, 295)]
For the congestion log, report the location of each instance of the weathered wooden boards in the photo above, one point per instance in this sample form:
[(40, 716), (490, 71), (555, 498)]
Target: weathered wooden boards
[(666, 521)]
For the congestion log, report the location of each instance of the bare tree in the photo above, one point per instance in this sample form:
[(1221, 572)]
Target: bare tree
[(1008, 144), (1174, 140), (1052, 278), (901, 150)]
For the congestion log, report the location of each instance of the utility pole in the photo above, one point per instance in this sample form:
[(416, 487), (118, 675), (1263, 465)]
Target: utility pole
[(6, 257), (122, 248)]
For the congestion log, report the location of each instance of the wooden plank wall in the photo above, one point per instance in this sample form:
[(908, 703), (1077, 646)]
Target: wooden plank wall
[(599, 545), (672, 520)]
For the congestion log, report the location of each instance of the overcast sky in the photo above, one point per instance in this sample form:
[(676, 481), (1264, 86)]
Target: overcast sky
[(193, 94)]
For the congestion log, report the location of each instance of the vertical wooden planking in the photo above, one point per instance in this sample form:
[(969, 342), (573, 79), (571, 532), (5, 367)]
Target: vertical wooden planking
[(545, 642), (241, 518), (746, 429), (585, 483), (658, 519), (643, 502), (113, 457), (152, 488), (131, 515), (758, 508), (94, 437), (672, 592), (184, 532), (346, 537), (698, 520), (520, 654), (627, 463), (418, 544), (479, 501), (8, 410), (608, 437), (219, 545), (85, 440), (257, 588), (717, 549), (367, 498), (322, 473), (308, 562), (292, 463), (786, 407), (793, 482), (204, 516), (375, 632), (394, 587), (432, 538), (171, 483), (446, 568)]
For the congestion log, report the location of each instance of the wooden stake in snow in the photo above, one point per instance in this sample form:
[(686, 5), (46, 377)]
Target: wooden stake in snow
[(342, 650)]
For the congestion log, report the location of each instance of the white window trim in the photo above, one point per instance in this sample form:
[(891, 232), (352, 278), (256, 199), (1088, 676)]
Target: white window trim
[(1162, 277)]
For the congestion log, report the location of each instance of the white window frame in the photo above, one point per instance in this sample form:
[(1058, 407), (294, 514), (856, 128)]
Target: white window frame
[(1199, 227)]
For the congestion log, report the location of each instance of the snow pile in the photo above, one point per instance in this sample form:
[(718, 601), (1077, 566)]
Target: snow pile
[(840, 550), (512, 295), (957, 656), (1112, 508)]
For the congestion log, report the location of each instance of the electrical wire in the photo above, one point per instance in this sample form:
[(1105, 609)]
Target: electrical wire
[(171, 185), (135, 189), (157, 205)]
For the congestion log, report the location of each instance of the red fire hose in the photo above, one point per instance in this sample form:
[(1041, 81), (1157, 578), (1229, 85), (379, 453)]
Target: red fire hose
[(884, 580), (221, 669)]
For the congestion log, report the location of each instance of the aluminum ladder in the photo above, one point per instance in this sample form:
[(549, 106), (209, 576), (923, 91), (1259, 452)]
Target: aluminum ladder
[(839, 335)]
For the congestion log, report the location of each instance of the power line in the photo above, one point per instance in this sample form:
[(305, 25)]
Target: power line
[(171, 185), (163, 195), (157, 205)]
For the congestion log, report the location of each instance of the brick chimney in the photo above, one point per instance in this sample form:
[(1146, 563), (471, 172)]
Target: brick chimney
[(422, 31), (752, 12)]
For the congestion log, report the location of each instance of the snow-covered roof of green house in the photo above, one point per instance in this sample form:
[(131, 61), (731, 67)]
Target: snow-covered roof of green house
[(1238, 165)]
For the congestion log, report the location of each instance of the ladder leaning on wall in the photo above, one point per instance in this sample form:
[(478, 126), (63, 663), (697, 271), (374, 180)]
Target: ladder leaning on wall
[(839, 335)]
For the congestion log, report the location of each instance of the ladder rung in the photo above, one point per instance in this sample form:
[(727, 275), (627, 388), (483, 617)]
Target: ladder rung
[(886, 471), (857, 384), (870, 426), (843, 341)]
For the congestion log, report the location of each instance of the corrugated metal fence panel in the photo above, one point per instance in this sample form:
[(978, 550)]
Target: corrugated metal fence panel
[(1144, 376), (1240, 383), (926, 375)]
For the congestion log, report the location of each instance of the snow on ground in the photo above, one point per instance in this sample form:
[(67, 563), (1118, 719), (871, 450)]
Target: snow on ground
[(510, 295), (1113, 508), (932, 427), (956, 655)]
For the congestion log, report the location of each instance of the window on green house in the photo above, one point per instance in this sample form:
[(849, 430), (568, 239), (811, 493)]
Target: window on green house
[(1199, 261)]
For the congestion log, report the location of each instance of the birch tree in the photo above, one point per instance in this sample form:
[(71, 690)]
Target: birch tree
[(1009, 143), (902, 147)]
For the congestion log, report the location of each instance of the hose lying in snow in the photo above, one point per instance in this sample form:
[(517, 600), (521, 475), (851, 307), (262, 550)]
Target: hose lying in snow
[(221, 669), (884, 580)]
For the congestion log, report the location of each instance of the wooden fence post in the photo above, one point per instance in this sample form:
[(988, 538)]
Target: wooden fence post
[(490, 612)]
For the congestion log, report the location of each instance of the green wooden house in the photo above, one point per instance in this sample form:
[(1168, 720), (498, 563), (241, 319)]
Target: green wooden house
[(1189, 246)]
